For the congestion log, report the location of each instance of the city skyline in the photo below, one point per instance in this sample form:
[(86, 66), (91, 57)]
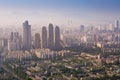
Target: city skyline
[(60, 12)]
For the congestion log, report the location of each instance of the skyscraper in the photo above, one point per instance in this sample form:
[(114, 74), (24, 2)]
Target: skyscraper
[(44, 37), (57, 37), (50, 36), (82, 28), (11, 36), (117, 26), (37, 41), (26, 36)]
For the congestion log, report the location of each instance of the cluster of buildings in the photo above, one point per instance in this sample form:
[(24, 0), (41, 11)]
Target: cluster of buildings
[(14, 42), (111, 59), (105, 37), (18, 55), (108, 36), (49, 38), (24, 46), (48, 54)]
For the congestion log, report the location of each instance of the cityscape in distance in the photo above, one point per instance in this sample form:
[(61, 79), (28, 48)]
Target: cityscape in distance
[(60, 40)]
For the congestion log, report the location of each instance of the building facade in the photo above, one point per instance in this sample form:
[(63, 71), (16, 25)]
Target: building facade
[(57, 37), (50, 36), (26, 36), (37, 41), (44, 37)]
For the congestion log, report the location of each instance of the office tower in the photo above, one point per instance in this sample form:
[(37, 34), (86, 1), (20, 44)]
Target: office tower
[(82, 28), (117, 24), (57, 37), (11, 36), (37, 41), (50, 36), (44, 37), (26, 36)]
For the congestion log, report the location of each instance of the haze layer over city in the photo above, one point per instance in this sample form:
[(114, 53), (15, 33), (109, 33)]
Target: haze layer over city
[(59, 40)]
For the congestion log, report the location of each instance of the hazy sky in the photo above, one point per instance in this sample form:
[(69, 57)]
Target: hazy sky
[(60, 12)]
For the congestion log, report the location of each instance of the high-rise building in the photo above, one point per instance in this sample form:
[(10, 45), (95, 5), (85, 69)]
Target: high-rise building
[(37, 41), (82, 28), (50, 36), (44, 37), (14, 42), (117, 26), (26, 36), (11, 36), (57, 37), (5, 42)]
